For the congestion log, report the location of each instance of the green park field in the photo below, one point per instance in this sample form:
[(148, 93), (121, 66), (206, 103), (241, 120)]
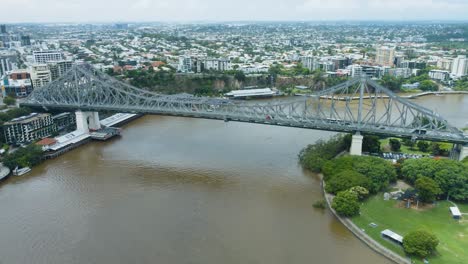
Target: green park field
[(452, 234)]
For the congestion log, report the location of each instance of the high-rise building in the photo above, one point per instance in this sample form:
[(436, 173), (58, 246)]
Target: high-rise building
[(17, 83), (3, 29), (59, 68), (385, 56), (47, 56), (460, 66), (40, 75), (185, 64), (29, 128), (25, 41), (439, 75), (8, 61), (308, 62), (206, 64), (445, 64)]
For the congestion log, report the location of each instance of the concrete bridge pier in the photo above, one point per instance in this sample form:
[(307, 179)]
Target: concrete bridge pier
[(87, 120), (463, 152), (356, 144)]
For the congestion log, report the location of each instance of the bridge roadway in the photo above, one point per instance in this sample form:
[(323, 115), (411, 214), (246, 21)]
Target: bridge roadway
[(257, 113), (341, 108)]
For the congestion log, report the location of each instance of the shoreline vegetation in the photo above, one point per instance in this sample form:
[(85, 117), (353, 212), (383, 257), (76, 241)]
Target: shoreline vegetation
[(424, 189)]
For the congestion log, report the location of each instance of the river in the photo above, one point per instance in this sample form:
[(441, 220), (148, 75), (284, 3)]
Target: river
[(181, 190)]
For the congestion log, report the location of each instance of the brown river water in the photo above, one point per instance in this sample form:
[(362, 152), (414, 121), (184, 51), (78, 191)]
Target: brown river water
[(181, 190)]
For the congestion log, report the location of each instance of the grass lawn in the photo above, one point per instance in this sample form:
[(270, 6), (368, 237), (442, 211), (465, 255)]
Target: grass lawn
[(405, 149), (452, 234)]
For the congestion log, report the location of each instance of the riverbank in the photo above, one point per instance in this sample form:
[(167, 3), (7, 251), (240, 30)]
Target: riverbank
[(360, 234)]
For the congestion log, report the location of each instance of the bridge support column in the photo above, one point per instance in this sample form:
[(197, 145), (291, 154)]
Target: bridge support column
[(463, 152), (356, 144), (87, 120)]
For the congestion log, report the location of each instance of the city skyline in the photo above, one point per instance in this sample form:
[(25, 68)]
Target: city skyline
[(242, 10)]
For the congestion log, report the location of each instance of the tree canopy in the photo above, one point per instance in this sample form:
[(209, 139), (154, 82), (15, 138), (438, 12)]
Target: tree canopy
[(450, 175), (378, 171), (346, 203), (345, 180), (427, 188), (420, 243)]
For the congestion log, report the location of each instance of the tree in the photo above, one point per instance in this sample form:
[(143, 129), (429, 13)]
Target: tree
[(420, 243), (314, 156), (345, 180), (428, 85), (450, 175), (408, 142), (423, 146), (371, 144), (395, 144), (346, 204), (360, 191), (9, 100), (391, 82), (240, 76), (24, 157), (427, 188), (380, 172)]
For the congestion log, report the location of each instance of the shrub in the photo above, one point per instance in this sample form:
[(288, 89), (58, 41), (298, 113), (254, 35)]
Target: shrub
[(321, 204)]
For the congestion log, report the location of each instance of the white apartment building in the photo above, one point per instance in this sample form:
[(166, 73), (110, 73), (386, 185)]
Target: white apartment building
[(216, 64), (40, 75), (385, 56), (445, 64), (185, 64), (460, 66), (308, 62), (439, 75), (47, 56)]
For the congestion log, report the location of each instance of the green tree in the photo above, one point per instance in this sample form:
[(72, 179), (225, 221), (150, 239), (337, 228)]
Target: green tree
[(371, 144), (391, 82), (420, 243), (380, 172), (345, 180), (9, 100), (423, 146), (360, 191), (427, 188), (395, 144), (346, 204), (240, 76), (314, 156), (428, 85), (24, 157), (408, 142), (451, 175)]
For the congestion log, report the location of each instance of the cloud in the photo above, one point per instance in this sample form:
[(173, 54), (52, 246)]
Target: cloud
[(228, 10)]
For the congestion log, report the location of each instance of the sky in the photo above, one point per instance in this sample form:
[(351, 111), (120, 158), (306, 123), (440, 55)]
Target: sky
[(17, 11)]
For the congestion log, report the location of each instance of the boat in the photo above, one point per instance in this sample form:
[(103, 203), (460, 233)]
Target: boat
[(22, 171)]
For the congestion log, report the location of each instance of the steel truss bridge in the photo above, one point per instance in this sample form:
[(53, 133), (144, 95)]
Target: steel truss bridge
[(359, 105)]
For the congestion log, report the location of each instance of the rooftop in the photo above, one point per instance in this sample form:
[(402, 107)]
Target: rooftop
[(27, 119)]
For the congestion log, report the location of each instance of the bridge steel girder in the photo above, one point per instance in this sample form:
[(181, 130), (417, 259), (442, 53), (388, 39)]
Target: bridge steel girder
[(357, 105)]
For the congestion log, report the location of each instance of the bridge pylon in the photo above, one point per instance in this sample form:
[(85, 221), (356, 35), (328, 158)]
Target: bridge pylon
[(463, 152), (356, 144), (87, 120)]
